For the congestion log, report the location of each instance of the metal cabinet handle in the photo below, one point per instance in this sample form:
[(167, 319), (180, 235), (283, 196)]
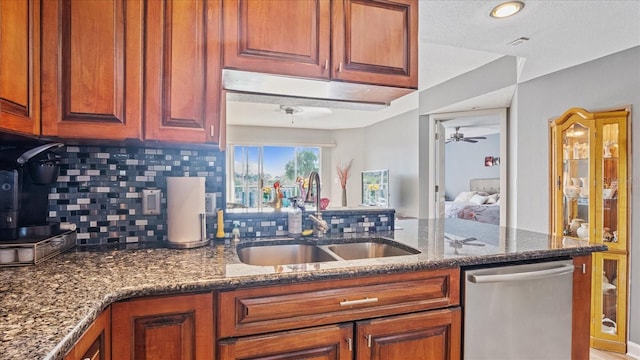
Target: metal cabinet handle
[(340, 67), (350, 344), (326, 64), (358, 302), (368, 337)]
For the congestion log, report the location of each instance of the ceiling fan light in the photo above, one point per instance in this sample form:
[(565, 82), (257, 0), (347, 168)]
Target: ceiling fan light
[(507, 9)]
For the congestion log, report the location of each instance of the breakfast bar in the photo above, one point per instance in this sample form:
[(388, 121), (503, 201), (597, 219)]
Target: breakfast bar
[(46, 308)]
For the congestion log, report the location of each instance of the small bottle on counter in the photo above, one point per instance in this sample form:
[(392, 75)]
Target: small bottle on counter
[(295, 219)]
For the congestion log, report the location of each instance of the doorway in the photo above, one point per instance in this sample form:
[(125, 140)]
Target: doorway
[(469, 155)]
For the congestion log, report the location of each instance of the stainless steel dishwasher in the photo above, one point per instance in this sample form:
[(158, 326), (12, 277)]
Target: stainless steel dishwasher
[(518, 312)]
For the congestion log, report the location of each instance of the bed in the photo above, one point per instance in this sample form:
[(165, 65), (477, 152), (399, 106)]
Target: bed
[(481, 203)]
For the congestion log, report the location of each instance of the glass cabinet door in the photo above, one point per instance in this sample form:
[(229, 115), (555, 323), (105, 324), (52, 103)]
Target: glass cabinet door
[(609, 303), (613, 188), (575, 179)]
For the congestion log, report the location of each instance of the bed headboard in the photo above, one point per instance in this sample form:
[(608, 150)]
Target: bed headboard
[(490, 185)]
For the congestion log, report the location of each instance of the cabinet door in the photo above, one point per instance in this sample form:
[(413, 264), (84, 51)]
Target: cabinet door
[(332, 342), (375, 42), (278, 37), (612, 204), (95, 344), (182, 67), (20, 66), (171, 328), (609, 313), (92, 68), (421, 336)]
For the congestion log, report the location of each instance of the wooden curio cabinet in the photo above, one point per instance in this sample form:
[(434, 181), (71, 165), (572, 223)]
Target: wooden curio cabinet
[(20, 66), (589, 201)]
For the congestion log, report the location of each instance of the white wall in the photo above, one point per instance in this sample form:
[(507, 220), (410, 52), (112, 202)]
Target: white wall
[(465, 161), (613, 81), (350, 146), (393, 144)]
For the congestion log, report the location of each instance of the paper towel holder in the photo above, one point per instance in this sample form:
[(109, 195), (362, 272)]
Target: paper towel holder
[(193, 244)]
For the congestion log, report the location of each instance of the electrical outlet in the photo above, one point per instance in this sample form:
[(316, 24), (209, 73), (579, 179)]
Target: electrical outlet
[(210, 204)]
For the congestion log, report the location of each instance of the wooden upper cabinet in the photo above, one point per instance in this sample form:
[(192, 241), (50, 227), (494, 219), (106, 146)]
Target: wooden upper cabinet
[(375, 42), (20, 66), (182, 70), (171, 327), (278, 37), (370, 41), (92, 68)]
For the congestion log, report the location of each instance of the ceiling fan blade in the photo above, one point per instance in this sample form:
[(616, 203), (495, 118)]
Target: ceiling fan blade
[(469, 140), (477, 137)]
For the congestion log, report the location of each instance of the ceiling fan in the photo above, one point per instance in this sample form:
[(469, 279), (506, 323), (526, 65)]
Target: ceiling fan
[(458, 136)]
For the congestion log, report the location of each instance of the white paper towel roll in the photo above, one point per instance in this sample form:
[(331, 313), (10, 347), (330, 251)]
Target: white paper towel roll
[(185, 204)]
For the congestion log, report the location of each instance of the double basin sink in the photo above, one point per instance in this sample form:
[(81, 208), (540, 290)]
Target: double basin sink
[(291, 251)]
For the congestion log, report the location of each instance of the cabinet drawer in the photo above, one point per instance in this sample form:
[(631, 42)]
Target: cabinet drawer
[(273, 308)]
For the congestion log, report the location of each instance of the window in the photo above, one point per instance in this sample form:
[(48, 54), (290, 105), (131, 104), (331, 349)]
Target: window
[(253, 170)]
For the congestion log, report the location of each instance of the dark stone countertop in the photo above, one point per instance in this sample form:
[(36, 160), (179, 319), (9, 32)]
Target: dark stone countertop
[(45, 308)]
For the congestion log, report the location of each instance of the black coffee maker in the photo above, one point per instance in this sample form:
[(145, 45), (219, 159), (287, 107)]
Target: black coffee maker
[(26, 176)]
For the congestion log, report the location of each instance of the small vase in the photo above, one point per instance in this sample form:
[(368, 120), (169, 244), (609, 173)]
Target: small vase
[(583, 231), (575, 225), (344, 197)]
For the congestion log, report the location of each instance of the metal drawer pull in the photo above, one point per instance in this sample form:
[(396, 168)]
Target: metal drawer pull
[(358, 302), (350, 344)]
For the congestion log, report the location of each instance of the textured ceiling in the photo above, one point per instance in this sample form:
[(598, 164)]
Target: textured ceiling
[(457, 36)]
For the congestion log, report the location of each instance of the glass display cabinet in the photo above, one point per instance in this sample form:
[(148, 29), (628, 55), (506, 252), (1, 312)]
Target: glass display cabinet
[(589, 201)]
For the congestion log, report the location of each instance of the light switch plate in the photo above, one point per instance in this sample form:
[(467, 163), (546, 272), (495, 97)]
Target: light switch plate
[(151, 201), (210, 204)]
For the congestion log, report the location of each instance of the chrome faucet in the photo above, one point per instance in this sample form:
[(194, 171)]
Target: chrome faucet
[(319, 226)]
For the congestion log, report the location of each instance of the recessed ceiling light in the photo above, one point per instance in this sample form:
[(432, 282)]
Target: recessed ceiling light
[(507, 9)]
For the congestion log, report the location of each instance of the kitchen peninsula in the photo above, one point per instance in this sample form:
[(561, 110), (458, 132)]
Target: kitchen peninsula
[(46, 308)]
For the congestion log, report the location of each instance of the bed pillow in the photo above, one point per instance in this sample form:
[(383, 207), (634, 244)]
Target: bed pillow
[(478, 199), (493, 199), (464, 196)]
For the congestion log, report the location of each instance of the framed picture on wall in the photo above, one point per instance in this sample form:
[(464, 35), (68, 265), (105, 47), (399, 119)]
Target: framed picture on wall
[(488, 161)]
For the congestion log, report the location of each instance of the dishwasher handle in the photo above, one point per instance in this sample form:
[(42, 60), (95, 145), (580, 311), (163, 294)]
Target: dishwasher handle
[(531, 275)]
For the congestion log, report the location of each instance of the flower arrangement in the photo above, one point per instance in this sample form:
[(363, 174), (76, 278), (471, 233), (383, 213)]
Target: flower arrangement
[(343, 176)]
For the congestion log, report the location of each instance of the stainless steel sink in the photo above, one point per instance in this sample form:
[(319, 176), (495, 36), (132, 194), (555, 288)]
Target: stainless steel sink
[(367, 250), (294, 253), (269, 255)]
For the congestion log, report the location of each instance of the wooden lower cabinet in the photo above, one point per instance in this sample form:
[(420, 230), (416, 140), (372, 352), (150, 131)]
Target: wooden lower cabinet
[(421, 336), (429, 335), (330, 342), (95, 343), (169, 327)]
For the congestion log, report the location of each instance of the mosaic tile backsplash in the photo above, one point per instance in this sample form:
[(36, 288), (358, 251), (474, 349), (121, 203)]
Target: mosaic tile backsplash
[(100, 189)]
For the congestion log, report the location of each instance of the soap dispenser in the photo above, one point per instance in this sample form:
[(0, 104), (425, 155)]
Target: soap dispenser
[(295, 219)]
